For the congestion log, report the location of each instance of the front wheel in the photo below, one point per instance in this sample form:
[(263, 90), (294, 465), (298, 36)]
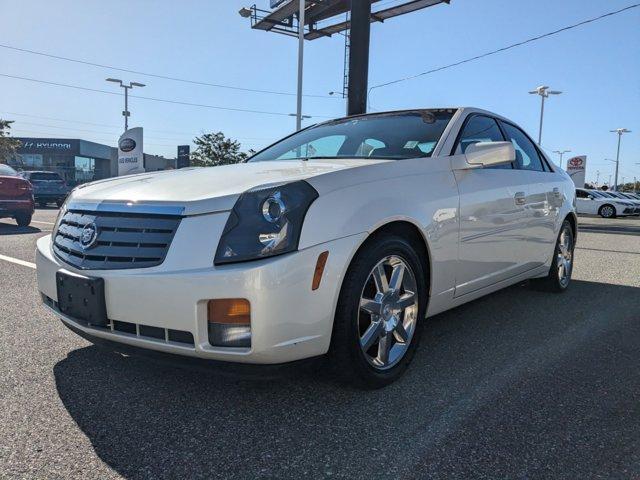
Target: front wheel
[(607, 211), (559, 276), (379, 314)]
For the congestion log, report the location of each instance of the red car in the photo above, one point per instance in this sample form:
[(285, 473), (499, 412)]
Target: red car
[(16, 196)]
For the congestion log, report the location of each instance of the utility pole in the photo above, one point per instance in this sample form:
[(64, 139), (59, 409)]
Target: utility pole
[(126, 112), (619, 131), (561, 153), (544, 93)]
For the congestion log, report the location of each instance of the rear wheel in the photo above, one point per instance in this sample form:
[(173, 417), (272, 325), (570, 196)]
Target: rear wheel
[(559, 276), (23, 219), (379, 315), (607, 211)]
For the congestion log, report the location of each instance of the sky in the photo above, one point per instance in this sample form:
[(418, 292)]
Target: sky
[(596, 66)]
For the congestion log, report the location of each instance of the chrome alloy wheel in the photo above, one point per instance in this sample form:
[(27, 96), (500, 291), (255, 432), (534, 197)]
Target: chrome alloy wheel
[(564, 261), (388, 312)]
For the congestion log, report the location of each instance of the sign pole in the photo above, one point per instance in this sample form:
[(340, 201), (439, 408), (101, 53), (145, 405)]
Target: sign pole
[(300, 63)]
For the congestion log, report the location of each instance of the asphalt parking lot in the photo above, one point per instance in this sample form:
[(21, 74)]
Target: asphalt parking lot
[(519, 384)]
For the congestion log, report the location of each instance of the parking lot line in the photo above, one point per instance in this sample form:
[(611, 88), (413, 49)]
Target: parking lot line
[(18, 261), (44, 223)]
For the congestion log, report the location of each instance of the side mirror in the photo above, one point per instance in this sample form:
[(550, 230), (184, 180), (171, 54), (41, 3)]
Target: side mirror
[(590, 197), (485, 154)]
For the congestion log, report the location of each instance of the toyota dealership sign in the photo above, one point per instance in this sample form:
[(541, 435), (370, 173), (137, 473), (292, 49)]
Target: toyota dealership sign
[(577, 168)]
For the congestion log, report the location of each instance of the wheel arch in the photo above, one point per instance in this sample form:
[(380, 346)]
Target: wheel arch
[(573, 220), (404, 228)]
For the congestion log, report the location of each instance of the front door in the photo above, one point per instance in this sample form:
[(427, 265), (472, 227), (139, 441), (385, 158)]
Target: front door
[(493, 215)]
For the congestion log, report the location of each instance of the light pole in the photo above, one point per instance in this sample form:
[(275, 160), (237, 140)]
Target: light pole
[(561, 153), (246, 12), (619, 131), (126, 112), (597, 177), (544, 92)]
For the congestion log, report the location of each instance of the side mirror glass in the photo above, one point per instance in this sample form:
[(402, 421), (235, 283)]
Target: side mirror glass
[(486, 154)]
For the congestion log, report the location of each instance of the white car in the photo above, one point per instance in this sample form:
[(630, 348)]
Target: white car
[(338, 241), (595, 202)]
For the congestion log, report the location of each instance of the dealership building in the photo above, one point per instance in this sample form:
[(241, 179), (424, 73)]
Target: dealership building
[(77, 161)]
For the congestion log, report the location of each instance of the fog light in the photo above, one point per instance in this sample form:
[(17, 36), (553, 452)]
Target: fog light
[(229, 322)]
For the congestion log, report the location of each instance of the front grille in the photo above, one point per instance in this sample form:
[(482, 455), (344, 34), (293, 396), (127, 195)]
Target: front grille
[(121, 240)]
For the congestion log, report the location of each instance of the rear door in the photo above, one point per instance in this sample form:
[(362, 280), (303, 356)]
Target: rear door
[(492, 214), (545, 196)]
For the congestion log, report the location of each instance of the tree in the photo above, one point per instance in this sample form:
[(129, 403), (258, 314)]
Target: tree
[(214, 149), (8, 145)]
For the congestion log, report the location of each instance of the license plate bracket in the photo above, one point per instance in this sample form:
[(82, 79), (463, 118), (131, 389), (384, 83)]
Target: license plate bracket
[(82, 298)]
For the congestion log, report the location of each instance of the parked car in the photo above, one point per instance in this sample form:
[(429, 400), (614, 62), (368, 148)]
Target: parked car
[(626, 198), (338, 241), (594, 202), (624, 207), (16, 196), (48, 187)]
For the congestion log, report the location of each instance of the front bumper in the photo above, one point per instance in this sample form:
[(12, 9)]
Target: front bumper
[(289, 321), (50, 196)]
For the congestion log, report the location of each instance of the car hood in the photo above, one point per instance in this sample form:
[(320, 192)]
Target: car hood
[(193, 191)]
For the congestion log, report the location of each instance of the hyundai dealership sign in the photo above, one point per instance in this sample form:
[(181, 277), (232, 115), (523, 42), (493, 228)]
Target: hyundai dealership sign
[(130, 154), (577, 168)]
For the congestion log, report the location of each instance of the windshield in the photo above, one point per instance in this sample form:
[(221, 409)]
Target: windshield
[(396, 135), (7, 171)]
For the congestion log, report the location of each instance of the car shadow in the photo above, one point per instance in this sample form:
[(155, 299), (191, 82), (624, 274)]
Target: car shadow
[(611, 229), (9, 229), (509, 371)]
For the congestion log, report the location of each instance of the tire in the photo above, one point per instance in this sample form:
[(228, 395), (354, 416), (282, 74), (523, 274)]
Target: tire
[(556, 281), (395, 326), (607, 211), (23, 219)]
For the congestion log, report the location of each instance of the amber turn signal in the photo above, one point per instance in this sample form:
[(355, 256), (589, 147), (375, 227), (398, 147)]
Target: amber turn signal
[(317, 274), (230, 311)]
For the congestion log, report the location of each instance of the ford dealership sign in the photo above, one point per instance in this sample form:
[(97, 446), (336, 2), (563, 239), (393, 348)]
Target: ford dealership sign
[(130, 153)]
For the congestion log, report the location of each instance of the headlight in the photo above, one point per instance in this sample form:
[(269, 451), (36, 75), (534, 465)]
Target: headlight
[(61, 212), (265, 221)]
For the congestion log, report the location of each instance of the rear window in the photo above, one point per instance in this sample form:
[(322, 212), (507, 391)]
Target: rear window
[(7, 171), (44, 176)]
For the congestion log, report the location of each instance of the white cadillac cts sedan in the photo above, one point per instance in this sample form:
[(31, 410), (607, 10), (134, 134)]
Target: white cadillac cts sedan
[(339, 241)]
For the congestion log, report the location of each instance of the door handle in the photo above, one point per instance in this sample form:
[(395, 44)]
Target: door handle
[(556, 192), (520, 198)]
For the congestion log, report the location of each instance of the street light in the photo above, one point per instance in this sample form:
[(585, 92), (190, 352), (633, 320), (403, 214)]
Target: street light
[(597, 177), (544, 92), (561, 152), (246, 13), (126, 112), (619, 131)]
